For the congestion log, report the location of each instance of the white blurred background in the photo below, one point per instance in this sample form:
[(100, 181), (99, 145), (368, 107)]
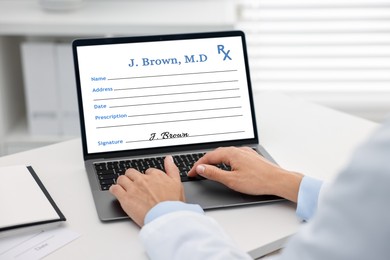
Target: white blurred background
[(332, 52)]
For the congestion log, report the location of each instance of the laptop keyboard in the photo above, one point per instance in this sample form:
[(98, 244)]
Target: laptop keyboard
[(108, 172)]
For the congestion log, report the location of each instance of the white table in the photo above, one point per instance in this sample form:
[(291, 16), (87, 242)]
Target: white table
[(300, 136)]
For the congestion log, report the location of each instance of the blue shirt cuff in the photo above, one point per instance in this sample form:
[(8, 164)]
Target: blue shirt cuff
[(166, 207), (308, 194)]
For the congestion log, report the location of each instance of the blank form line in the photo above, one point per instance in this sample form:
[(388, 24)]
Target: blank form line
[(171, 102), (177, 85), (185, 111), (21, 242), (171, 75), (223, 133), (169, 94), (235, 132), (172, 121)]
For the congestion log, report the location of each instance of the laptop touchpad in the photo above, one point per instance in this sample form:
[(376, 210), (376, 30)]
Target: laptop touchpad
[(211, 194)]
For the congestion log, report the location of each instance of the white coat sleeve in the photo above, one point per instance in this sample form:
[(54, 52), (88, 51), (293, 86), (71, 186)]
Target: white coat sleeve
[(188, 235)]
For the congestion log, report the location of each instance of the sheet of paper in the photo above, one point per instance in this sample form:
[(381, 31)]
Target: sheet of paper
[(154, 94), (35, 245), (21, 199)]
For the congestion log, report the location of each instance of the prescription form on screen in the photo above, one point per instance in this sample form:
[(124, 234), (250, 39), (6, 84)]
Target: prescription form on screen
[(164, 93)]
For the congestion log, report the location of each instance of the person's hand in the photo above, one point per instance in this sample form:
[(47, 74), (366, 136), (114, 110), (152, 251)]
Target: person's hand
[(138, 193), (250, 173)]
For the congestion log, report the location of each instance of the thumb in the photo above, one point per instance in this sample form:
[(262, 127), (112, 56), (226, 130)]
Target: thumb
[(212, 172)]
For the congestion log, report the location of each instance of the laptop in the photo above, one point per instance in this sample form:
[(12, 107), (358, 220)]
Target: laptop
[(142, 98)]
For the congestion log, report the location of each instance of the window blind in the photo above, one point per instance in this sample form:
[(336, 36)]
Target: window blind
[(332, 45)]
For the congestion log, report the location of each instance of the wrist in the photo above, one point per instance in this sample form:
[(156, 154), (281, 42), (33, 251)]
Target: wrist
[(287, 185)]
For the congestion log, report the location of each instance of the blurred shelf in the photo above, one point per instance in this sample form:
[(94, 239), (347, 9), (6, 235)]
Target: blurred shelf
[(19, 139)]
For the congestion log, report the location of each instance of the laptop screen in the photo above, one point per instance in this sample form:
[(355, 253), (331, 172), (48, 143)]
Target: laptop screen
[(163, 91)]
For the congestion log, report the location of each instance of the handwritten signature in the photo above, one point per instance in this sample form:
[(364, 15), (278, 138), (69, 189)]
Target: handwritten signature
[(167, 135)]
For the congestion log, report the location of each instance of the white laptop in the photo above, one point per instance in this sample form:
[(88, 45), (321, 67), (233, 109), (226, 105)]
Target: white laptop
[(142, 98)]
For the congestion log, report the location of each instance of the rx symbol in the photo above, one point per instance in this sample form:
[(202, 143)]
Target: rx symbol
[(221, 50)]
